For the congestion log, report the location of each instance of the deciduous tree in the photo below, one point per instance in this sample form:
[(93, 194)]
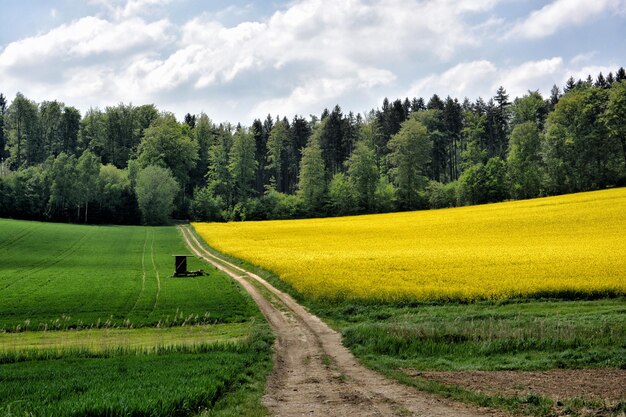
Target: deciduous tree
[(411, 152), (156, 189), (312, 183), (524, 163)]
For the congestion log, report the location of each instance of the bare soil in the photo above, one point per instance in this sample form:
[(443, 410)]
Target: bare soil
[(314, 374), (608, 385)]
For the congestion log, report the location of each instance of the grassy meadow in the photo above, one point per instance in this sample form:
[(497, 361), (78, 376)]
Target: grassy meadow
[(59, 276), (91, 323), (522, 335), (571, 245)]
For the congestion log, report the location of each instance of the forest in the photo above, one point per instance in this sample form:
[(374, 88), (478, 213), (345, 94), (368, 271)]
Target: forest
[(135, 164)]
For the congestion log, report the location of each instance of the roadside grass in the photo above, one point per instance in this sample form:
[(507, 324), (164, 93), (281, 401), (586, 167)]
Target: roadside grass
[(183, 381), (524, 335), (59, 276)]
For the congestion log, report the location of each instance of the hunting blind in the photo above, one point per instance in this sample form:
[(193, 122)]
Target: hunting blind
[(180, 267)]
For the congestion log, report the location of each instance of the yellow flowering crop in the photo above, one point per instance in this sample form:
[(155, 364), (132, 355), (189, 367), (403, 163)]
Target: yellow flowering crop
[(569, 245)]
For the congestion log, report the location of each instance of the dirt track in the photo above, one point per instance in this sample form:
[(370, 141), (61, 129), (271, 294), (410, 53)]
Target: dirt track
[(314, 374)]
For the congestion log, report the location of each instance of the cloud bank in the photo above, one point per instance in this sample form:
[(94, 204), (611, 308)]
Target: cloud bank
[(307, 55)]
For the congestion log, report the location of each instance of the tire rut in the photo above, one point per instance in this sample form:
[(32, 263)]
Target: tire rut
[(143, 276), (314, 374), (156, 275)]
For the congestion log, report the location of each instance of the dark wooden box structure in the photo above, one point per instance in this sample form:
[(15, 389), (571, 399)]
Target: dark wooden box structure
[(180, 265)]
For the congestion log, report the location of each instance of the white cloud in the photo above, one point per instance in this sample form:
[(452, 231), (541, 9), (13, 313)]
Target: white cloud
[(562, 13), (338, 45), (124, 9), (458, 81), (582, 58), (532, 75), (138, 7), (81, 39), (339, 49), (482, 78), (308, 55), (315, 94), (581, 73)]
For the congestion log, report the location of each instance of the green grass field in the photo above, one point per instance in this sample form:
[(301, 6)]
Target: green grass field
[(92, 324), (58, 276), (172, 382)]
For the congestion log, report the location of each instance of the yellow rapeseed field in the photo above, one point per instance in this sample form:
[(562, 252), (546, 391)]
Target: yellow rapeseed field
[(569, 245)]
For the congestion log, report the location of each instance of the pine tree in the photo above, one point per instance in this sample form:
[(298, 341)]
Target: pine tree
[(24, 135), (569, 85), (620, 75), (501, 122), (190, 120), (453, 125), (70, 128), (417, 104), (601, 82), (406, 106), (219, 180), (299, 133), (277, 145), (331, 138), (610, 79), (433, 120), (260, 139), (204, 136), (435, 103), (50, 119), (555, 95), (242, 164), (349, 136)]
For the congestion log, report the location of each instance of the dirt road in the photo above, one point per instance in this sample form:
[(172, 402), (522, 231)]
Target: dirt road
[(314, 374)]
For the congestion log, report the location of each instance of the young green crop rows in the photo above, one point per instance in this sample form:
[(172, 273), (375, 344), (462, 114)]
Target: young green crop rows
[(572, 246), (59, 276), (92, 323)]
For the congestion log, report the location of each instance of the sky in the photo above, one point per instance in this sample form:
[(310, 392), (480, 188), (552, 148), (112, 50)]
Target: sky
[(241, 60)]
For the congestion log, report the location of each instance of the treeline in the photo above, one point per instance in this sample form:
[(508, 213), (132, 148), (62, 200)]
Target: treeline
[(128, 164)]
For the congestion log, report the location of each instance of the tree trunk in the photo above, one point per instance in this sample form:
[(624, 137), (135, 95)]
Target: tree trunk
[(623, 140), (86, 208)]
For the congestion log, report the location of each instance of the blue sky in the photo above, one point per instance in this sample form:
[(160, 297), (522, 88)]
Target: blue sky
[(239, 60)]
